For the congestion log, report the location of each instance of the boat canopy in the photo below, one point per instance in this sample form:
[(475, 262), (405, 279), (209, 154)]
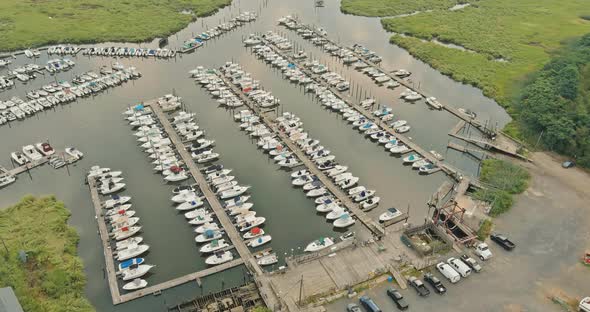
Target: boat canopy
[(255, 230)]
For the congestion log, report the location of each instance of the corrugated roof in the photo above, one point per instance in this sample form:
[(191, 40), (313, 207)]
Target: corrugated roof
[(8, 301)]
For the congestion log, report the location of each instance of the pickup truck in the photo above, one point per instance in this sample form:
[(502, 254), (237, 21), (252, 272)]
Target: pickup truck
[(471, 263), (419, 286), (436, 284), (502, 241), (483, 252)]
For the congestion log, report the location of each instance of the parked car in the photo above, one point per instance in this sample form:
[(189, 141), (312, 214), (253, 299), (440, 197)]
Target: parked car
[(459, 266), (585, 305), (471, 263), (419, 286), (483, 252), (369, 304), (448, 272), (502, 241), (353, 307), (397, 298), (438, 286)]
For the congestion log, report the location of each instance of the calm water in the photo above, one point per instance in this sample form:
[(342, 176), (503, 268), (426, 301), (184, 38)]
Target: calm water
[(94, 125)]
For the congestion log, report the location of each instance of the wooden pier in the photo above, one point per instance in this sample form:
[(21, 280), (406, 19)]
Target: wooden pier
[(503, 142), (110, 268), (196, 276), (233, 234), (354, 208), (368, 114)]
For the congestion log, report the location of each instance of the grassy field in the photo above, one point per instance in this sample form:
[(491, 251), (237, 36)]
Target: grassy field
[(393, 7), (52, 279), (508, 39), (505, 180), (31, 23)]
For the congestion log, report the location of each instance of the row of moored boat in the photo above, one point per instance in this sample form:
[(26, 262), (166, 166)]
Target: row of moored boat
[(62, 92), (123, 226)]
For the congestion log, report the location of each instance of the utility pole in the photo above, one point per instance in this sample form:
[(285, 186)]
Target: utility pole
[(300, 289)]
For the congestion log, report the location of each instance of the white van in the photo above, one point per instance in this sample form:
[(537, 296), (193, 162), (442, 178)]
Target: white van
[(459, 266), (448, 272)]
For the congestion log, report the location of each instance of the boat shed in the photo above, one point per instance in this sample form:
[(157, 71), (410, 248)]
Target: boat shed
[(8, 301)]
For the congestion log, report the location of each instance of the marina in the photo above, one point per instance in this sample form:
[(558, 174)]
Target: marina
[(94, 126)]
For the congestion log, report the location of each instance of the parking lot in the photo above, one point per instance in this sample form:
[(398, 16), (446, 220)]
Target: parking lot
[(550, 226)]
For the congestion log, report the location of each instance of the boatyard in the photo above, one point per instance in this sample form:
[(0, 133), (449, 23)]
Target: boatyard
[(253, 159)]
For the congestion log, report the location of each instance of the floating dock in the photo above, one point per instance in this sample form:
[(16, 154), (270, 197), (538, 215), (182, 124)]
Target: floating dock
[(233, 234), (374, 227)]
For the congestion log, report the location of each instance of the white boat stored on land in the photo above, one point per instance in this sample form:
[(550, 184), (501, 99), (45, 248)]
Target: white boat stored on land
[(390, 214), (319, 244)]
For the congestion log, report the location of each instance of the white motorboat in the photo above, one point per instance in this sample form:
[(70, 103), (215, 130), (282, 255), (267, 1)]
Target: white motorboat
[(196, 213), (316, 192), (111, 188), (221, 180), (233, 192), (6, 180), (399, 149), (242, 209), (218, 174), (398, 123), (211, 226), (120, 217), (115, 201), (303, 180), (208, 236), (363, 195), (336, 213), (131, 251), (32, 153), (252, 223), (370, 203), (106, 181), (259, 241), (344, 221), (267, 259), (202, 219), (205, 157), (412, 158), (125, 244), (214, 246), (319, 244), (289, 163), (434, 103), (75, 153), (184, 196), (312, 185), (98, 172), (254, 232), (136, 272), (402, 129), (175, 177), (126, 232), (225, 186), (190, 205), (327, 206), (118, 210), (420, 163), (19, 158), (237, 201), (338, 169), (136, 284), (355, 190), (299, 173), (219, 258), (122, 222), (390, 214), (348, 183)]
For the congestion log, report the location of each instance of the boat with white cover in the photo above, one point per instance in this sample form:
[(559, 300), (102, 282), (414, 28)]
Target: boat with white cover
[(390, 214)]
